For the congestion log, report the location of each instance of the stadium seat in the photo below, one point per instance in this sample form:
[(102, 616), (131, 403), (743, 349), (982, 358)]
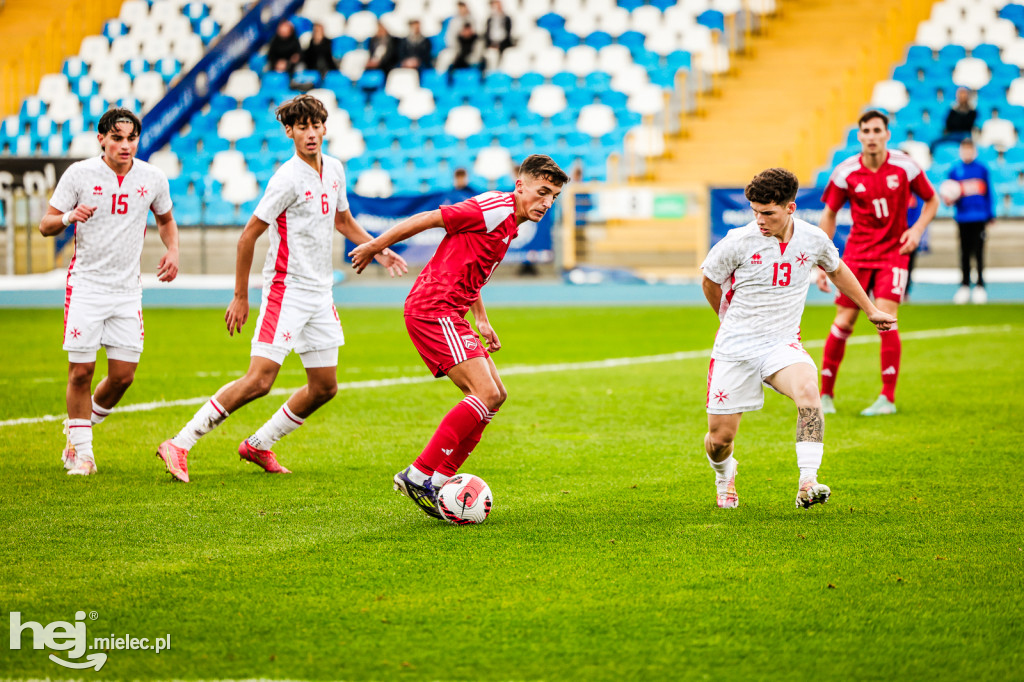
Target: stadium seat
[(374, 182), (890, 96), (998, 133), (971, 72)]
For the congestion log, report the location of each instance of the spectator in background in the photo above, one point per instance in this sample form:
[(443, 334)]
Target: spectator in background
[(462, 37), (318, 56), (284, 50), (415, 50), (383, 51), (498, 31), (460, 190), (974, 213), (959, 121)]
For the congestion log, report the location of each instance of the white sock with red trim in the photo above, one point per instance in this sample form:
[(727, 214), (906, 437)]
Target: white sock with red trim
[(283, 422), (206, 419), (99, 413), (80, 435)]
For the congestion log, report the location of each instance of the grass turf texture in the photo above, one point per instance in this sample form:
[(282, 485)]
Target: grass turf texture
[(604, 557)]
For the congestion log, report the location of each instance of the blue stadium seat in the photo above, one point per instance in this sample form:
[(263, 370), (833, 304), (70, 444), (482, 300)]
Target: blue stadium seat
[(495, 118), (273, 83), (920, 54), (551, 21), (634, 40), (663, 4), (195, 10), (598, 81), (342, 45), (496, 82), (908, 74), (207, 29), (565, 80), (664, 77), (528, 81), (258, 62), (988, 53), (564, 40), (219, 212), (465, 80), (252, 147), (713, 19), (372, 79), (613, 98), (630, 5), (187, 208), (114, 29), (306, 79), (443, 141), (680, 59), (380, 7), (951, 54), (598, 39), (302, 24), (349, 7)]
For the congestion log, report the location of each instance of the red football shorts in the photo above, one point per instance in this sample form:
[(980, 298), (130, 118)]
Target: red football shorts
[(888, 282), (444, 342)]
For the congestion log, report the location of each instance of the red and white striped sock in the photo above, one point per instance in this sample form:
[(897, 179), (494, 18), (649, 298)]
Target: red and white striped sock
[(456, 426), (206, 419), (80, 435), (890, 361), (280, 424), (99, 413), (835, 348), (453, 462)]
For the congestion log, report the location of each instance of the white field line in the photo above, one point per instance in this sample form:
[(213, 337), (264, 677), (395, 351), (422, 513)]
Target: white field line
[(535, 369)]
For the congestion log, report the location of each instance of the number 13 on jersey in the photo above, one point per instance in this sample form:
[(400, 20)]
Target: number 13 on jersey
[(781, 273)]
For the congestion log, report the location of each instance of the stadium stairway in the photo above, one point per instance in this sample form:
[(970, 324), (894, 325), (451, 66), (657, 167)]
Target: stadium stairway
[(785, 85)]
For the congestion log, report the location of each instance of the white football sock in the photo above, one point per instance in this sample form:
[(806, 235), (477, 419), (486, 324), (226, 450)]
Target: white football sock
[(437, 479), (99, 413), (206, 419), (723, 469), (280, 424), (808, 458), (416, 476), (80, 435)]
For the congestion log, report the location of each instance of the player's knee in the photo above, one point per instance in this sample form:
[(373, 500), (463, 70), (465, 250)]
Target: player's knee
[(260, 385), (80, 375), (720, 440), (806, 394), (491, 396), (502, 397), (324, 392), (121, 382)]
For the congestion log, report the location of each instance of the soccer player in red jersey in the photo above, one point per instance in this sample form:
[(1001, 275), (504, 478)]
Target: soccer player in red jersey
[(878, 183), (479, 231)]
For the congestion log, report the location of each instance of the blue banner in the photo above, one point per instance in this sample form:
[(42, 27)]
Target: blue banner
[(208, 76), (730, 209), (378, 215)]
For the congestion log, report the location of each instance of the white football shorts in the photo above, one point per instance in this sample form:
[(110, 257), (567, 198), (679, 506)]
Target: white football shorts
[(303, 321), (113, 321), (738, 386)]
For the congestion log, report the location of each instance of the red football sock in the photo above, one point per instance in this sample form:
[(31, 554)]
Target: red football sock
[(835, 348), (456, 426), (454, 461), (890, 356)]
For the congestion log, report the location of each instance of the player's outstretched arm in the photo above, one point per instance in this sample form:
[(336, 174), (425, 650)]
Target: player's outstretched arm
[(238, 310), (484, 326), (712, 292), (845, 281), (912, 237), (55, 222), (345, 223), (167, 268), (362, 254)]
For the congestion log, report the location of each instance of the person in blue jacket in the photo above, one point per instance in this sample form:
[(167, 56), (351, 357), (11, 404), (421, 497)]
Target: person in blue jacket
[(974, 213)]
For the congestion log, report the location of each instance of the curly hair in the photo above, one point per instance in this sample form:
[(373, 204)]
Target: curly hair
[(302, 109), (540, 166), (772, 186)]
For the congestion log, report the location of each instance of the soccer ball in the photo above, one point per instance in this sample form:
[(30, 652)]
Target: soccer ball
[(950, 191), (465, 499)]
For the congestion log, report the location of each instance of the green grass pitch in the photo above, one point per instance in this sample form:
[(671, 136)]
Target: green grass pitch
[(605, 556)]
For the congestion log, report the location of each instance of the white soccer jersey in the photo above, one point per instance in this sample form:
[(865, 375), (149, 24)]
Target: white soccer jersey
[(299, 205), (108, 245), (764, 286)]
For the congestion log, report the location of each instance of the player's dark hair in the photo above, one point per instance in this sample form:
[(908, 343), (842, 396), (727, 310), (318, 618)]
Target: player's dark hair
[(772, 186), (302, 109), (540, 166), (110, 119), (870, 114), (967, 142)]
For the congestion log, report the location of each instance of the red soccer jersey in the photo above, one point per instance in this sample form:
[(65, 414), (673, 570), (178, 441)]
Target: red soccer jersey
[(878, 202), (479, 233)]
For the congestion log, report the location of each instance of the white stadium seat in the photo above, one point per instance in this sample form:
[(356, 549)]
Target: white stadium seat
[(968, 35), (84, 145), (242, 83), (133, 11), (932, 35), (235, 125), (972, 73), (998, 133), (596, 120), (240, 188), (463, 121), (1015, 93), (374, 182), (167, 161), (148, 88), (614, 22), (493, 163), (547, 100), (581, 60), (1001, 33), (889, 95), (354, 63), (402, 81), (348, 144), (362, 25), (93, 49), (116, 86), (947, 14), (646, 140), (1014, 53), (648, 100), (549, 61), (53, 86), (226, 164), (417, 104), (645, 19)]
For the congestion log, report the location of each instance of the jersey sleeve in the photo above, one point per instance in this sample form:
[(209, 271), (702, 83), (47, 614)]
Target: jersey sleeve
[(922, 186), (834, 196), (342, 198), (279, 196), (162, 198), (721, 261), (66, 195), (465, 216), (828, 255)]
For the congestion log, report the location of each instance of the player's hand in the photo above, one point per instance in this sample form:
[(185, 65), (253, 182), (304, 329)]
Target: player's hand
[(362, 255), (167, 268), (395, 264), (909, 241), (487, 331), (884, 321), (81, 213), (822, 282), (236, 315)]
